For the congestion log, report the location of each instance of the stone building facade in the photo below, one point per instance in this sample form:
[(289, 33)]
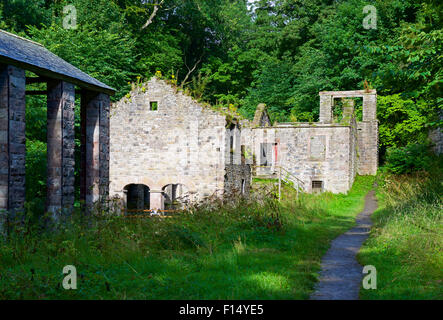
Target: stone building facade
[(180, 150), (167, 149), (323, 156)]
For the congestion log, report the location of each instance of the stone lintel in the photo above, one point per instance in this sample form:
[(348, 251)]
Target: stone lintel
[(348, 94)]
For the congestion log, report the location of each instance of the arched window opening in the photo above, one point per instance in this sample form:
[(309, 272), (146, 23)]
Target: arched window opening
[(137, 197), (176, 196)]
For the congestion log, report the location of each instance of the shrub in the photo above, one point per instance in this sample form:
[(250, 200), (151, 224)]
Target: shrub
[(414, 157)]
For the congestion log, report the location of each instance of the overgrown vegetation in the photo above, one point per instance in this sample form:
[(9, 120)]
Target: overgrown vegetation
[(406, 242), (236, 54), (413, 157), (259, 249)]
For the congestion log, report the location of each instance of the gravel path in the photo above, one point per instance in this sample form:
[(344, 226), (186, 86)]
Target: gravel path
[(341, 275)]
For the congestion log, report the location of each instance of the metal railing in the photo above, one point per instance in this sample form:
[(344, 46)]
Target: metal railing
[(287, 177)]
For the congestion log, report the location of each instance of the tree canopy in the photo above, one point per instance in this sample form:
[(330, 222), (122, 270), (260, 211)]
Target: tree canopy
[(239, 53)]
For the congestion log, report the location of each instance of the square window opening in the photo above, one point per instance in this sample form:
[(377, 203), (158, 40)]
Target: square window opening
[(153, 105), (317, 186)]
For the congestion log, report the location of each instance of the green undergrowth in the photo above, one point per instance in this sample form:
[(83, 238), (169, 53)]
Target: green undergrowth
[(406, 242), (249, 249)]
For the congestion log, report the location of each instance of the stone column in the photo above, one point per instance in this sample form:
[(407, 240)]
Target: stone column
[(95, 148), (157, 200), (326, 103), (104, 148), (12, 140), (61, 146)]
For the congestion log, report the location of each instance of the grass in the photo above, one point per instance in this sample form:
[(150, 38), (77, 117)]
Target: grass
[(257, 249), (406, 242)]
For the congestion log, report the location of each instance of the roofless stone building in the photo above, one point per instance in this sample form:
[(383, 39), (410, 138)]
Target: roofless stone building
[(166, 147), (63, 82), (168, 150), (324, 155)]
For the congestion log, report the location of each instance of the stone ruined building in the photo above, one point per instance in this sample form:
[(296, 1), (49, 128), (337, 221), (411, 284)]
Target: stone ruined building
[(322, 156), (62, 81), (168, 150)]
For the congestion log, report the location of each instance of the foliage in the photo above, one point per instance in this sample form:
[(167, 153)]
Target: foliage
[(106, 56), (235, 250), (413, 157), (403, 121), (406, 241)]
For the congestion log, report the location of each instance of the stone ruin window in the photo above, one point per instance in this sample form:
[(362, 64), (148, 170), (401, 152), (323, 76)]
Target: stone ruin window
[(137, 197), (317, 186), (337, 108), (243, 186), (243, 154), (153, 105), (175, 196), (231, 133), (268, 157)]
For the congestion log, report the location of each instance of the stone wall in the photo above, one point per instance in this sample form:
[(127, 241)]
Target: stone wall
[(367, 129), (367, 152), (320, 152), (238, 179), (181, 142)]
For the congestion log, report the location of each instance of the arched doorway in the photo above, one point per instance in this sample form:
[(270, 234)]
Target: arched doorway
[(175, 196), (137, 197)]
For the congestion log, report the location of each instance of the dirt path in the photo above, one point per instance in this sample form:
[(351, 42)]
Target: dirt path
[(341, 275)]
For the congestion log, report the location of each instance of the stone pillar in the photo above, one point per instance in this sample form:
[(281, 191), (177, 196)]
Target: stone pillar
[(94, 148), (368, 137), (12, 140), (369, 107), (326, 103), (61, 146), (157, 200), (348, 109)]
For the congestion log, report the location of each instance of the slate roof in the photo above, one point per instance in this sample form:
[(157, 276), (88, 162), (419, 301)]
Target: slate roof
[(32, 56)]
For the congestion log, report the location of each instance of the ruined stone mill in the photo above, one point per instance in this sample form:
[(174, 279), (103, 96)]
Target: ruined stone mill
[(158, 148)]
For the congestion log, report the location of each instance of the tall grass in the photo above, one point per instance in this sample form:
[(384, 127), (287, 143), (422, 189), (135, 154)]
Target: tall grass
[(244, 249), (406, 244)]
